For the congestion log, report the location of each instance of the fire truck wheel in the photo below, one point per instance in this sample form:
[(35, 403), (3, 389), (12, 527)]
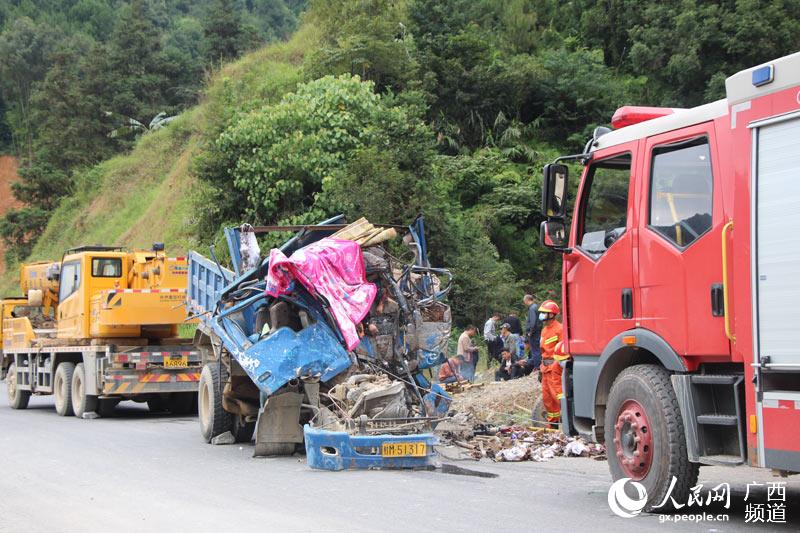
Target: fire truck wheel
[(62, 388), (242, 429), (182, 403), (17, 399), (214, 420), (81, 402), (645, 437)]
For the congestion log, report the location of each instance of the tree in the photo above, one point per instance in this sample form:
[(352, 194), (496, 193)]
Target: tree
[(137, 83), (368, 38), (131, 126), (223, 31), (41, 186), (279, 155), (6, 138), (67, 108), (20, 228), (25, 51), (274, 18)]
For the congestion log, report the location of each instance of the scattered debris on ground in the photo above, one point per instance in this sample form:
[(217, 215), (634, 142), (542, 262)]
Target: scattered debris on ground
[(469, 440), (492, 420), (519, 443)]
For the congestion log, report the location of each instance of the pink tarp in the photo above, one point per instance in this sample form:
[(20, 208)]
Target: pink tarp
[(332, 268)]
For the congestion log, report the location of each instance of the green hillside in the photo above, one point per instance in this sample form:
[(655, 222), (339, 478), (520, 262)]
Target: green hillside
[(378, 108), (150, 194)]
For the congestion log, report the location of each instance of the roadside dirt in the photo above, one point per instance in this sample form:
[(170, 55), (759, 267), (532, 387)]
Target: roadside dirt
[(8, 174)]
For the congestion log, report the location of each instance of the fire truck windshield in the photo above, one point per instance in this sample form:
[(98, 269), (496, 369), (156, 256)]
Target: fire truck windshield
[(605, 204)]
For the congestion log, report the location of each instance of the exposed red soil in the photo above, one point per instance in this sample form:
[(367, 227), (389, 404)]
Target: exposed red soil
[(8, 175)]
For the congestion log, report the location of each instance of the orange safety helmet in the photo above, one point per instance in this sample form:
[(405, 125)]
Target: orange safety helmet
[(549, 306), (559, 354)]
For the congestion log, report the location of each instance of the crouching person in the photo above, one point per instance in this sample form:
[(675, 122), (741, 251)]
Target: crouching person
[(450, 371)]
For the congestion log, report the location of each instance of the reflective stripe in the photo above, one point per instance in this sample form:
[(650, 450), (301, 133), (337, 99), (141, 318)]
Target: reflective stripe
[(551, 340), (560, 395), (553, 414), (561, 357)]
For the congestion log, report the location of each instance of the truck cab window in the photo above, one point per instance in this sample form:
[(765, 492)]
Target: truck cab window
[(70, 280), (106, 267), (605, 205), (681, 191)]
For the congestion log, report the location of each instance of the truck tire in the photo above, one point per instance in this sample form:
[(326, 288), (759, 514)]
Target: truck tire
[(645, 437), (81, 402), (17, 399), (242, 430), (157, 404), (182, 403), (214, 420), (106, 407), (62, 388)]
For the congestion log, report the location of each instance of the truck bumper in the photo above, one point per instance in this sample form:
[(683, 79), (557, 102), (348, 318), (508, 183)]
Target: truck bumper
[(125, 382), (338, 450)]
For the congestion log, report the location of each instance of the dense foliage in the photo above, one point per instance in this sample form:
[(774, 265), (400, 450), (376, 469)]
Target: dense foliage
[(72, 72), (460, 103), (382, 108)]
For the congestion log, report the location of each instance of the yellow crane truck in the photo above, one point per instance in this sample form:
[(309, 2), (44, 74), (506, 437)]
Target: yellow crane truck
[(98, 327)]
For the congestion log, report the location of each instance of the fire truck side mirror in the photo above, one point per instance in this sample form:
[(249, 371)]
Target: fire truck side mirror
[(554, 191), (553, 234)]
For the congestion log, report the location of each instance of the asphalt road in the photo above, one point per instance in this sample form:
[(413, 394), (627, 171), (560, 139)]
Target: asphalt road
[(143, 472)]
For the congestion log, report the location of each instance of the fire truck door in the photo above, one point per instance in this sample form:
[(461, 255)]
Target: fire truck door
[(679, 253), (598, 272)]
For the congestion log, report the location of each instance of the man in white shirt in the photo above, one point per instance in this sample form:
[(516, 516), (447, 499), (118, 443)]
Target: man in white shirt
[(493, 342)]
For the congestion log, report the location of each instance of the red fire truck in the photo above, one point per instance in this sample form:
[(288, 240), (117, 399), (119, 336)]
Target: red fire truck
[(681, 283)]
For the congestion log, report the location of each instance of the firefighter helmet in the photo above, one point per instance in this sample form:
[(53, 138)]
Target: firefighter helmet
[(549, 306)]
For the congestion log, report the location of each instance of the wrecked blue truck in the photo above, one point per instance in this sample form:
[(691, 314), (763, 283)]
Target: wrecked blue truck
[(295, 354)]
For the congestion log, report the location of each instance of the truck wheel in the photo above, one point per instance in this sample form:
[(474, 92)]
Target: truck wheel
[(157, 405), (214, 420), (182, 403), (106, 407), (242, 430), (62, 388), (645, 436), (81, 402), (17, 399)]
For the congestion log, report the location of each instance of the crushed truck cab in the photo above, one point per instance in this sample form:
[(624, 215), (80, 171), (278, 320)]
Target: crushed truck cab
[(329, 332)]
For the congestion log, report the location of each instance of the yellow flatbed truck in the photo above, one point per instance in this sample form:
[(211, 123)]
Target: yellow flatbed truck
[(111, 321)]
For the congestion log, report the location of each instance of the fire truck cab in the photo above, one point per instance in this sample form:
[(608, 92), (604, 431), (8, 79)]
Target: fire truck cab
[(681, 283)]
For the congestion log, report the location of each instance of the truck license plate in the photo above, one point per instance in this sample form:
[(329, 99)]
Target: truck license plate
[(176, 361), (404, 449)]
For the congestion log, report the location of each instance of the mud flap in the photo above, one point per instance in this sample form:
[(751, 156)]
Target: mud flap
[(278, 428)]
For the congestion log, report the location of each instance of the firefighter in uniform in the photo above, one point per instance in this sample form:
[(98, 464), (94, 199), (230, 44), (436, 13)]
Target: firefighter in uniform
[(550, 368)]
